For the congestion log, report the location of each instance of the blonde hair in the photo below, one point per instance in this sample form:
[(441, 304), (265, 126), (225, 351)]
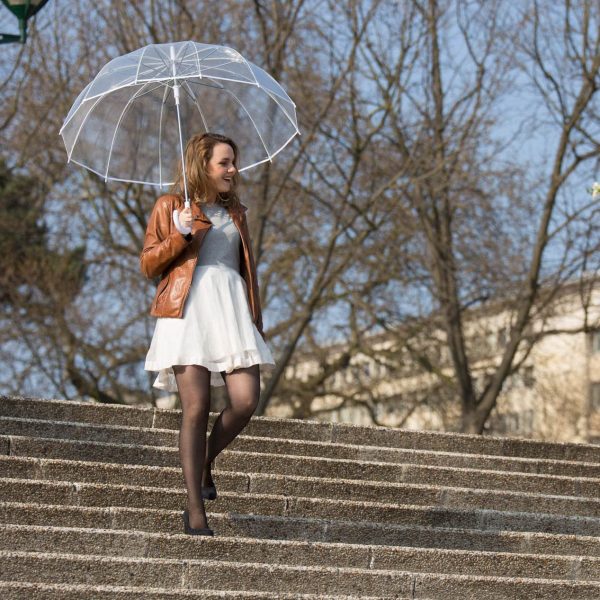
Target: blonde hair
[(198, 152)]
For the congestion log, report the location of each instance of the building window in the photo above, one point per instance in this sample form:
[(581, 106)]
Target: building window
[(595, 341), (595, 396)]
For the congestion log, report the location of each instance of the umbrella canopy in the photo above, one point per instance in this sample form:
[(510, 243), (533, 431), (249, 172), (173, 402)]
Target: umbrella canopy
[(131, 122)]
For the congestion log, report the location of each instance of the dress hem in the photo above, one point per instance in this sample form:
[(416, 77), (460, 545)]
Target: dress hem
[(166, 377)]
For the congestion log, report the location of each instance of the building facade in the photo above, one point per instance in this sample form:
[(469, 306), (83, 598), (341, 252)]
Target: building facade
[(554, 394)]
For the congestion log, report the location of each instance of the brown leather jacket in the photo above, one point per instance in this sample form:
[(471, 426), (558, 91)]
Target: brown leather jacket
[(169, 254)]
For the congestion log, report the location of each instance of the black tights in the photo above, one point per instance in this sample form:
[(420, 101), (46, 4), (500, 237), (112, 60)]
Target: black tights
[(193, 382)]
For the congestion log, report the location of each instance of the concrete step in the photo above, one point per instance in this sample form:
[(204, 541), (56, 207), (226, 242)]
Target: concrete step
[(89, 494), (91, 498), (61, 410), (294, 485), (302, 529), (118, 434), (208, 574), (18, 590), (45, 539), (407, 473), (235, 461)]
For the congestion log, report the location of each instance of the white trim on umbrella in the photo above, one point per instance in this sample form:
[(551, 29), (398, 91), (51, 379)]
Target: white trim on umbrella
[(121, 179), (76, 138), (276, 85), (112, 143), (74, 108), (214, 65), (186, 87), (253, 123), (210, 51), (137, 71), (79, 130), (283, 109), (251, 71), (264, 160), (196, 54)]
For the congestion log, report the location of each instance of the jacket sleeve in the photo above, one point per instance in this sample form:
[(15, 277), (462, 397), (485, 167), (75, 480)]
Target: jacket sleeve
[(259, 321), (162, 243)]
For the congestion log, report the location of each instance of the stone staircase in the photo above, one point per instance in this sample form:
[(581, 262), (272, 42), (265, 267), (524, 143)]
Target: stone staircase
[(91, 501)]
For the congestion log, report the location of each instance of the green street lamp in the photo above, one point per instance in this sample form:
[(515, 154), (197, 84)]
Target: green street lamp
[(23, 10)]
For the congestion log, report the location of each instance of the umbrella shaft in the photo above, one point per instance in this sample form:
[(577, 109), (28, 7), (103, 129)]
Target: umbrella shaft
[(176, 95), (176, 92)]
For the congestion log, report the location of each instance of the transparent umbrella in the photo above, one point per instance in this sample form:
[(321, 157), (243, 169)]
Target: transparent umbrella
[(131, 122)]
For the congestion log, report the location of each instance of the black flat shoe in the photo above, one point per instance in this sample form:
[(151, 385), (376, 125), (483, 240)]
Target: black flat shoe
[(190, 530), (209, 492)]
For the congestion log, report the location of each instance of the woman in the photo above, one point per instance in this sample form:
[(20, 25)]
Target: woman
[(209, 329)]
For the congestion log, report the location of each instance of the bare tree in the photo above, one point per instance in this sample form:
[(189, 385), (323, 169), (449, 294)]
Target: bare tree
[(403, 205), (471, 224), (480, 239), (299, 225)]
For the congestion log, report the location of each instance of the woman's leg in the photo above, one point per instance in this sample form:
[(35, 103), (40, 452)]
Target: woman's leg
[(193, 382), (243, 389)]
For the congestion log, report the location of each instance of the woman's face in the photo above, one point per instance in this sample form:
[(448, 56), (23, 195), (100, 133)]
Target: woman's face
[(220, 168)]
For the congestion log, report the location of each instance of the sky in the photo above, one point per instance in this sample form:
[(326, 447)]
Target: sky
[(535, 148)]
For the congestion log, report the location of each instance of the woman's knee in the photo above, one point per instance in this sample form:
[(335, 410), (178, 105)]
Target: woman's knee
[(244, 406), (194, 395), (195, 412)]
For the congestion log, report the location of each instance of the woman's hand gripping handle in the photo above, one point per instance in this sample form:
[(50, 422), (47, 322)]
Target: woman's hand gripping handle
[(183, 220)]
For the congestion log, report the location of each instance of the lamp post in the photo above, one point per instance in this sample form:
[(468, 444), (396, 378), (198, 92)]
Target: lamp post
[(23, 10)]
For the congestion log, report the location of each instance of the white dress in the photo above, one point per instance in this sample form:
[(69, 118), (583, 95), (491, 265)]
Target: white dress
[(217, 330)]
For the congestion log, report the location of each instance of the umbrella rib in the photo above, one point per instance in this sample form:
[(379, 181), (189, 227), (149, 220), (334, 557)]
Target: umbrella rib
[(118, 178), (186, 87), (72, 112), (250, 69), (214, 68), (117, 87), (215, 84), (273, 91), (137, 71), (250, 117), (198, 63), (211, 52), (221, 67), (297, 132), (170, 78), (81, 126), (138, 93), (274, 97), (85, 119), (160, 58)]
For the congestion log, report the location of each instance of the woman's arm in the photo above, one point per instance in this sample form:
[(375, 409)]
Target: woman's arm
[(162, 243)]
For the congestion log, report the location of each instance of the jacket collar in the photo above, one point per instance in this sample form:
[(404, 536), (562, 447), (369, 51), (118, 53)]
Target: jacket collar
[(198, 213)]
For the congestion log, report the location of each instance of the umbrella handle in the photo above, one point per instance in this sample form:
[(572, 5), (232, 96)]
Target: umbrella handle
[(178, 225)]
